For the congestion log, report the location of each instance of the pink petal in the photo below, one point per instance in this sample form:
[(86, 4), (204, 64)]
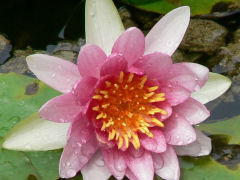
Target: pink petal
[(200, 71), (193, 111), (167, 34), (115, 162), (140, 163), (114, 65), (60, 109), (155, 65), (178, 131), (182, 76), (81, 146), (96, 168), (90, 60), (131, 44), (156, 144), (130, 175), (55, 72), (84, 89), (175, 94), (201, 147), (170, 169)]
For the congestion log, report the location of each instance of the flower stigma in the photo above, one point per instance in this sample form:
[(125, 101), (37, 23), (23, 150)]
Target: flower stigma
[(127, 106)]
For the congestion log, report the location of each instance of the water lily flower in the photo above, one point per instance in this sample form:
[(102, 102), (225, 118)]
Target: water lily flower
[(131, 110)]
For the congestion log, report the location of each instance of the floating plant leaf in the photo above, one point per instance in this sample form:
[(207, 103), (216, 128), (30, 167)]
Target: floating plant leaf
[(21, 96), (206, 168), (164, 6), (229, 127)]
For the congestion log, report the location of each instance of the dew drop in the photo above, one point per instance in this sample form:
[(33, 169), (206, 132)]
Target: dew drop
[(68, 163), (28, 147), (62, 120), (71, 172), (59, 67), (92, 13), (100, 162), (180, 143), (53, 75)]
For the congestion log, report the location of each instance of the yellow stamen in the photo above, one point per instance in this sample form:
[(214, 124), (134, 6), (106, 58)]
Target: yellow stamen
[(120, 142), (103, 126), (108, 84), (135, 141), (111, 135), (124, 107), (98, 97), (104, 92), (99, 116), (157, 122), (153, 88), (106, 96), (126, 141), (121, 77), (96, 108), (130, 77), (156, 110), (104, 106), (116, 86), (149, 95), (158, 97)]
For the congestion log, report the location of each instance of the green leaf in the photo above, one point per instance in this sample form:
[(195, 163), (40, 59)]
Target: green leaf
[(164, 6), (206, 168), (21, 96), (228, 127)]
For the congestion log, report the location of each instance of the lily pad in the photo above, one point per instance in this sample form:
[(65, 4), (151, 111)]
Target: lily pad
[(229, 127), (164, 6), (206, 168), (21, 96)]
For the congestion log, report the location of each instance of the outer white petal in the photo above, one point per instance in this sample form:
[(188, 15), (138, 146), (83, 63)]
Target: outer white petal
[(201, 147), (167, 34), (216, 85), (103, 24), (36, 134)]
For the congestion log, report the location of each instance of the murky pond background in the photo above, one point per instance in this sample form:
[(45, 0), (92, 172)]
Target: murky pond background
[(57, 28)]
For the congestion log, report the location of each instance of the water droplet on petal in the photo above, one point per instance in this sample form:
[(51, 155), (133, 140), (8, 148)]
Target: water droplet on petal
[(71, 172), (180, 143), (53, 75), (68, 163), (28, 147), (100, 162)]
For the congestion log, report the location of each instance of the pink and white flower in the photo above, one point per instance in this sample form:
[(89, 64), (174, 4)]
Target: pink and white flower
[(131, 110)]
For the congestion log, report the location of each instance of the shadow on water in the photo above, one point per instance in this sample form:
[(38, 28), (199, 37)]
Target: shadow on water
[(37, 23)]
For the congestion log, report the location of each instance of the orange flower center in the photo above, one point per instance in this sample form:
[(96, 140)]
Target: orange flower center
[(125, 106)]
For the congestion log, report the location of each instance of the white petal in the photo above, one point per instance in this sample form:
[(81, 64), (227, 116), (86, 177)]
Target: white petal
[(216, 85), (96, 168), (36, 134), (167, 34), (55, 72), (103, 24), (201, 147)]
